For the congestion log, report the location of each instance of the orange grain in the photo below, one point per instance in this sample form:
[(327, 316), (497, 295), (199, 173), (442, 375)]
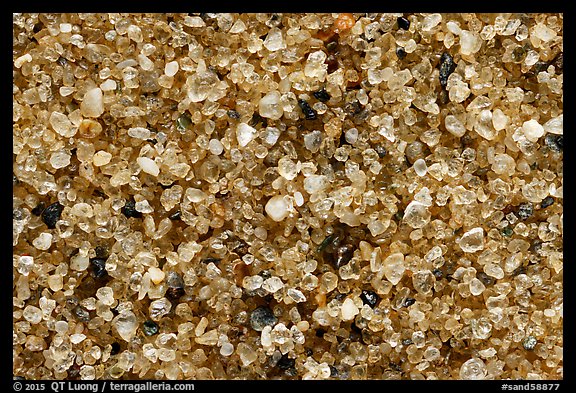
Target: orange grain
[(345, 21)]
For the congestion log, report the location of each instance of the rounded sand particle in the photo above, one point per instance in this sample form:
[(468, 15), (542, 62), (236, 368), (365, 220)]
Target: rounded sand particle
[(156, 275), (473, 369), (43, 241), (108, 85), (532, 130), (89, 128), (472, 241), (298, 198), (270, 106), (66, 91), (227, 349), (101, 158), (215, 147), (420, 167), (171, 68), (277, 208), (60, 159), (93, 104), (32, 314), (349, 310), (65, 27), (245, 134), (62, 125), (79, 263), (25, 58), (148, 165), (139, 133)]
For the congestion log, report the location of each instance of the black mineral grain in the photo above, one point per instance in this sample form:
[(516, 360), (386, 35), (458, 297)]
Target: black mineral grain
[(98, 267), (262, 317), (525, 210), (548, 201), (129, 210), (285, 363), (446, 68), (150, 328), (554, 142), (175, 284), (309, 113), (51, 214), (321, 95), (369, 297), (403, 23)]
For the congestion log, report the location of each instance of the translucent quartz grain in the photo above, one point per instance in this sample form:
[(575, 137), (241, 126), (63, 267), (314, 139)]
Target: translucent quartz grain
[(349, 310), (171, 68), (126, 324), (287, 168), (93, 103), (270, 106), (195, 195), (431, 21), (89, 128), (420, 167), (66, 91), (296, 295), (458, 91), (101, 158), (105, 295), (32, 314), (159, 308), (298, 198), (416, 214), (25, 264), (315, 183), (245, 134), (532, 130), (271, 135), (542, 32), (247, 354), (499, 119), (79, 262), (473, 369), (555, 125), (139, 133), (351, 135), (394, 268), (274, 40), (470, 42), (476, 287), (215, 147), (454, 126), (503, 164), (277, 208), (227, 349), (272, 284), (472, 240), (60, 159), (156, 275), (43, 241), (62, 125), (25, 58), (108, 85), (148, 165), (313, 140)]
